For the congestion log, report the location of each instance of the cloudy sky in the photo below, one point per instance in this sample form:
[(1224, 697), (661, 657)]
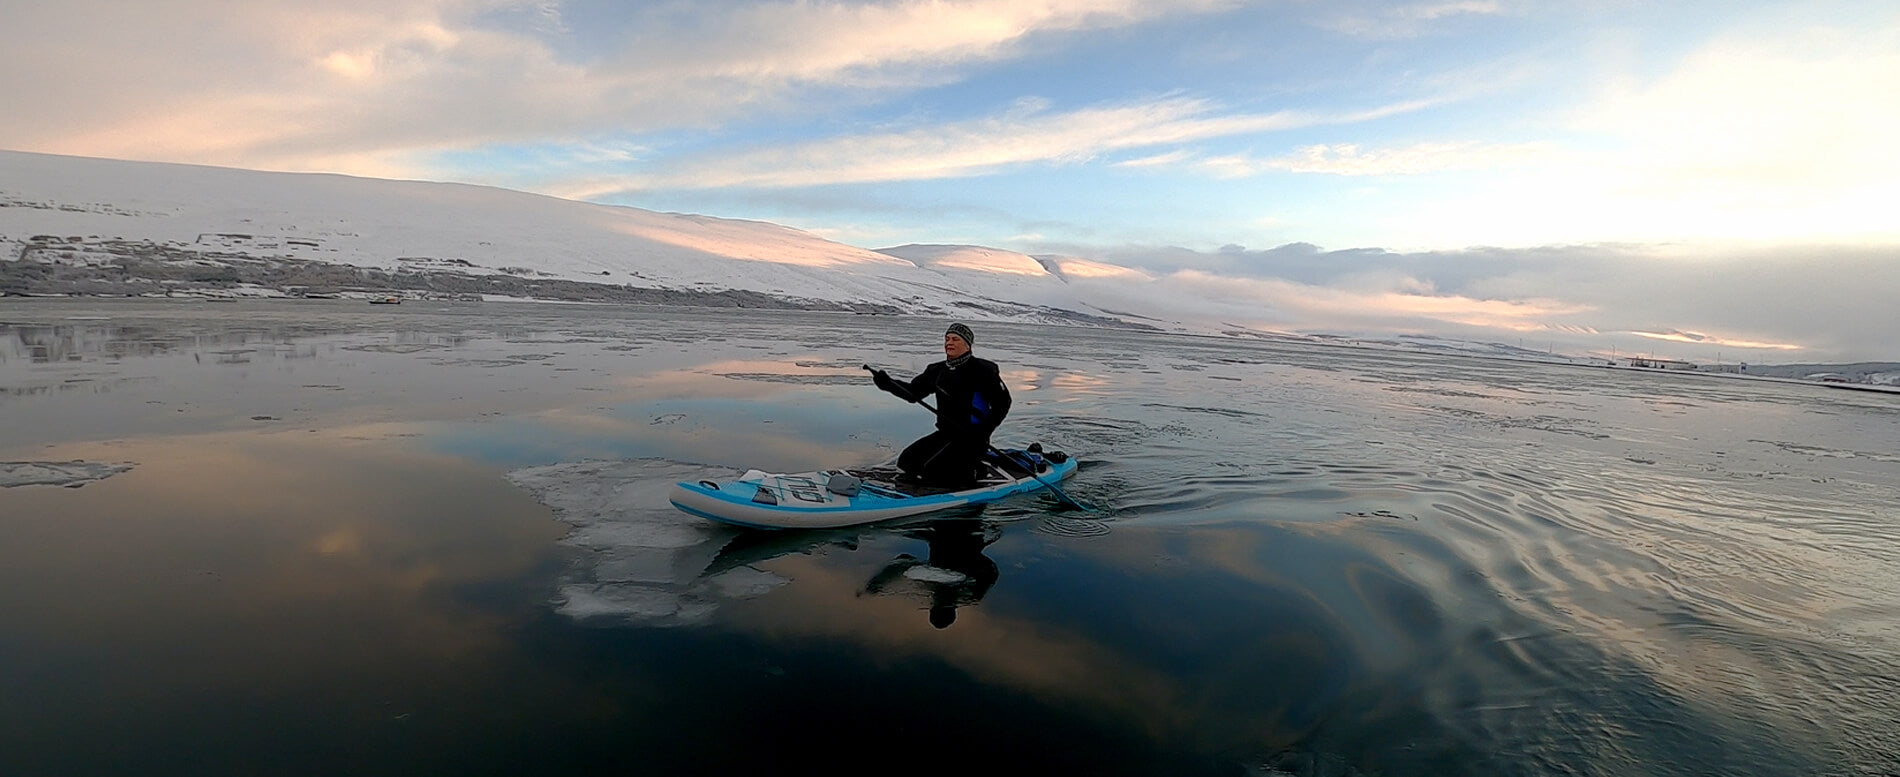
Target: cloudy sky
[(1687, 178)]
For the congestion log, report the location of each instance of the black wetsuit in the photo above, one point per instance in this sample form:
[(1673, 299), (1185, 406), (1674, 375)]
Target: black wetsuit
[(971, 402)]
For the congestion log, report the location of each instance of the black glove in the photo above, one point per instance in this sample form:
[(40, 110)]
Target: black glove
[(884, 382)]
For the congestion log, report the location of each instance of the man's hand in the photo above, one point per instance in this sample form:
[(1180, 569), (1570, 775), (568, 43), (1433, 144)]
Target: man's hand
[(889, 384), (884, 382)]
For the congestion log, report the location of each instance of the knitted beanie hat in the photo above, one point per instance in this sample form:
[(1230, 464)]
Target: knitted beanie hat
[(960, 330)]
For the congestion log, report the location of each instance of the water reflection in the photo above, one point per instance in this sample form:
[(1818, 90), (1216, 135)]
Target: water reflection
[(1313, 561), (82, 342), (953, 573), (234, 598)]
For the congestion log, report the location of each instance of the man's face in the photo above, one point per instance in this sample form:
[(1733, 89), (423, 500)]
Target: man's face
[(953, 346)]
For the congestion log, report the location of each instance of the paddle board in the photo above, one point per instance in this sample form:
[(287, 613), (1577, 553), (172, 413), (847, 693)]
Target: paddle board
[(846, 497)]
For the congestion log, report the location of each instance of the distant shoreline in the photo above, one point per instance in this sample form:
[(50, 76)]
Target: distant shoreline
[(1333, 341)]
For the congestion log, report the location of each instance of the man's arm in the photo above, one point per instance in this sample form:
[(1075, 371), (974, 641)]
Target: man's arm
[(1002, 401), (925, 383)]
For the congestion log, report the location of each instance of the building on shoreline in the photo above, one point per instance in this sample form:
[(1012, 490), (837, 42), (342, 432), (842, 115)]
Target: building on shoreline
[(1661, 364)]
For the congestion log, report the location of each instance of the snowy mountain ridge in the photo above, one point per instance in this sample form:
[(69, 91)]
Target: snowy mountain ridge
[(79, 225), (74, 225)]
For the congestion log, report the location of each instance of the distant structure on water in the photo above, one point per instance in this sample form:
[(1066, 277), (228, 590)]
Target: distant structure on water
[(1661, 364)]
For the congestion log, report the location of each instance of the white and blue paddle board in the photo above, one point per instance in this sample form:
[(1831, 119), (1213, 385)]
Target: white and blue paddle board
[(828, 499)]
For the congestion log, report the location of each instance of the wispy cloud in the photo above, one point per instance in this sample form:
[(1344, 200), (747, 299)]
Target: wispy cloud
[(1383, 21), (851, 41), (365, 87), (1700, 338), (1350, 159), (1167, 159), (1028, 134)]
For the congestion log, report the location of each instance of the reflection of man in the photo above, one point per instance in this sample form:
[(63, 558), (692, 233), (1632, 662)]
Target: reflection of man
[(955, 574)]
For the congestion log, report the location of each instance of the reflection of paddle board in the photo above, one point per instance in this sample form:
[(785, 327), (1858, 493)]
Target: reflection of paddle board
[(831, 498)]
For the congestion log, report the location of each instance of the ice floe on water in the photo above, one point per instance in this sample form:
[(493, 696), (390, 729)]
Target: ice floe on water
[(645, 562), (930, 574), (71, 474)]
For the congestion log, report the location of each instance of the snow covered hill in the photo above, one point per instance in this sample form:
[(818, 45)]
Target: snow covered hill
[(70, 224), (992, 273)]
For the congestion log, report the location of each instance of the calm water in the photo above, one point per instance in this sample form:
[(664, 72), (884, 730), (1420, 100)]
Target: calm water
[(434, 540)]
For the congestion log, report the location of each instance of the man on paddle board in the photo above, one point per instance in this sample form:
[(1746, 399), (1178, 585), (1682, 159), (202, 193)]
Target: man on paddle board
[(971, 402)]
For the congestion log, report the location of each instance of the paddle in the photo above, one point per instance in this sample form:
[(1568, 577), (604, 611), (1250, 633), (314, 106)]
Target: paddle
[(1028, 465)]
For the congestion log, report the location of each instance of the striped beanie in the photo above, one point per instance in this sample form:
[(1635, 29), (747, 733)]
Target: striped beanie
[(960, 330)]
